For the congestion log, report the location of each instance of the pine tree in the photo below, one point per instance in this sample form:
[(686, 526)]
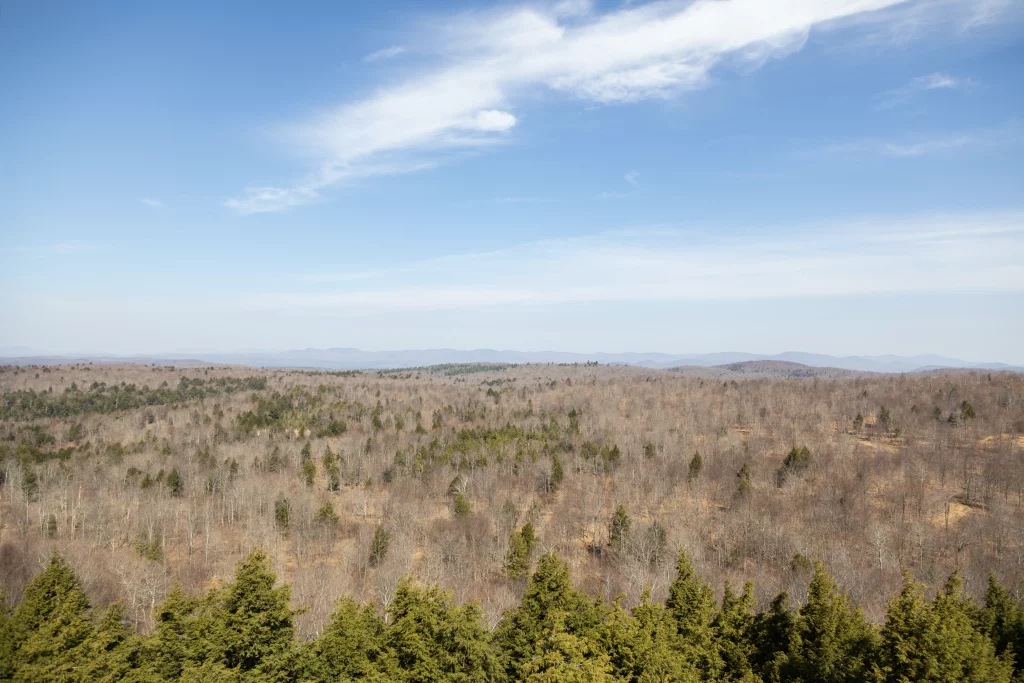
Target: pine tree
[(618, 527), (641, 646), (832, 642), (1002, 619), (433, 640), (113, 650), (6, 639), (249, 622), (734, 633), (350, 648), (562, 657), (696, 465), (172, 644), (964, 652), (549, 591), (906, 651), (691, 602), (50, 626), (773, 636)]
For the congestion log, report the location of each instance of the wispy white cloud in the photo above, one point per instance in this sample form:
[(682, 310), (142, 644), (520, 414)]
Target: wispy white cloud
[(869, 256), (631, 177), (386, 53), (919, 146), (487, 61), (936, 81), (153, 203)]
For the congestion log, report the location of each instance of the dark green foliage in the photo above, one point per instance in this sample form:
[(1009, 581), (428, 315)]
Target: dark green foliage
[(252, 623), (175, 484), (1002, 620), (100, 398), (885, 418), (351, 647), (379, 546), (797, 460), (327, 516), (243, 631), (548, 597), (431, 639), (29, 481), (282, 513), (832, 643), (649, 450), (734, 633), (618, 527), (520, 546), (858, 422), (460, 507), (691, 603), (743, 488), (557, 474), (696, 465)]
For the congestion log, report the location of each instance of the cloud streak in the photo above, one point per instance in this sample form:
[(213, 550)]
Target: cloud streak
[(922, 84), (900, 255), (486, 62)]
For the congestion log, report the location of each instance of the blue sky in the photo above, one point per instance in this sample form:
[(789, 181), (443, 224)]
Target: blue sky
[(836, 176)]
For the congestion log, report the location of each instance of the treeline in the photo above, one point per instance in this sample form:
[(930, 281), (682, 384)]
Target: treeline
[(102, 398), (243, 631)]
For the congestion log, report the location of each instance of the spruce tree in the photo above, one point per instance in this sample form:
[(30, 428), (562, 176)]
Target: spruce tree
[(6, 639), (773, 636), (641, 647), (832, 641), (618, 527), (691, 602), (562, 657), (249, 623), (172, 643), (50, 626), (734, 633), (350, 648), (432, 640), (1002, 619), (964, 652), (549, 591)]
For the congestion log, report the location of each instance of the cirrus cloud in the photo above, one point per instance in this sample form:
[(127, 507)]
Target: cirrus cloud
[(483, 63)]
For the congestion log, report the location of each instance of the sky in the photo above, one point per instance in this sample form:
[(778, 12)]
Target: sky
[(832, 176)]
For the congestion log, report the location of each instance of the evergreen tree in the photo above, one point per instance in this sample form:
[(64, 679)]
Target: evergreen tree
[(432, 640), (773, 635), (50, 626), (562, 657), (691, 602), (113, 650), (907, 648), (964, 652), (351, 647), (6, 639), (1002, 619), (171, 645), (734, 633), (618, 527), (641, 646), (549, 591), (696, 465), (832, 642), (248, 623)]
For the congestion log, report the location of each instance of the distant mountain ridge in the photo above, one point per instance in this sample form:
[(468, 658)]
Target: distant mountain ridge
[(356, 359)]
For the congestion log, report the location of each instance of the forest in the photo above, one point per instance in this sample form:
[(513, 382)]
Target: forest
[(505, 523)]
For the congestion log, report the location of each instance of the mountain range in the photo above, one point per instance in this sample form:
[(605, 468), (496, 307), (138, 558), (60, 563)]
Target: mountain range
[(356, 359)]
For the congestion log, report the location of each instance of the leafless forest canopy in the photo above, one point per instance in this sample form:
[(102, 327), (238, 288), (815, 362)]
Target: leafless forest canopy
[(143, 476)]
